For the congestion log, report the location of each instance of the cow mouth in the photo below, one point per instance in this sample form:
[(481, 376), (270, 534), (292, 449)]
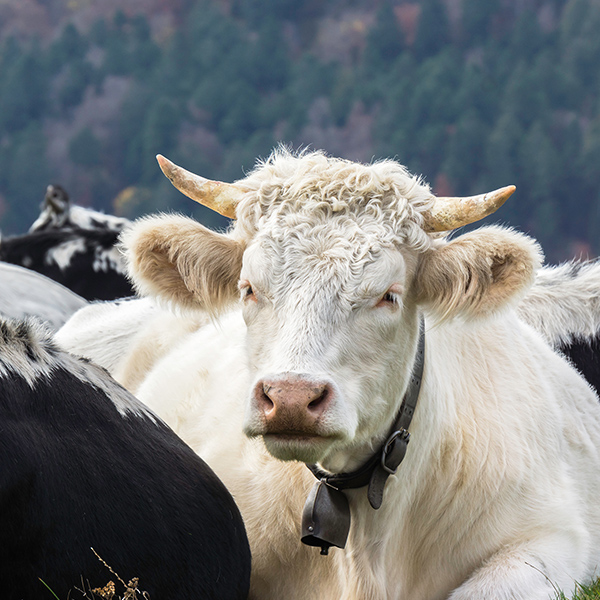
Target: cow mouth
[(293, 435), (297, 445)]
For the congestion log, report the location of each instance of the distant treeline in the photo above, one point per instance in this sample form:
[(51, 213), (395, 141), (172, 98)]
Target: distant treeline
[(502, 95)]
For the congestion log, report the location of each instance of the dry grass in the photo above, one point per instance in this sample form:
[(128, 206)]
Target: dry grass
[(109, 591)]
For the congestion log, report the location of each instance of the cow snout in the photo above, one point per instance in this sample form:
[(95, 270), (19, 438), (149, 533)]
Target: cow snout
[(292, 404)]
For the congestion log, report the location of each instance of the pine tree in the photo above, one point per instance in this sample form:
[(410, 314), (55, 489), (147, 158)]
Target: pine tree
[(465, 154), (24, 93), (385, 40), (84, 148), (433, 32), (26, 179), (476, 20)]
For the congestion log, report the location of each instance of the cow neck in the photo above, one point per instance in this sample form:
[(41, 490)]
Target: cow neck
[(326, 514)]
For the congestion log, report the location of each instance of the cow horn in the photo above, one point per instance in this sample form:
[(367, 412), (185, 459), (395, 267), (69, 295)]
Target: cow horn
[(451, 213), (220, 197)]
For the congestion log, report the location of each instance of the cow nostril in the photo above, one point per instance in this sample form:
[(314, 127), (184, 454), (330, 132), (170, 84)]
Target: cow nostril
[(320, 400), (265, 401)]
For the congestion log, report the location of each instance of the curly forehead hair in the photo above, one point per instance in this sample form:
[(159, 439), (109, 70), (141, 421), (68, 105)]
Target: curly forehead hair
[(307, 188)]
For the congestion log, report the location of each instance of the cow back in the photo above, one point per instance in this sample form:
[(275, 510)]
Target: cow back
[(87, 466), (83, 260)]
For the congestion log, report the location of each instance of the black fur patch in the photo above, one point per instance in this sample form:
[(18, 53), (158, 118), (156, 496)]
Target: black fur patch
[(77, 474)]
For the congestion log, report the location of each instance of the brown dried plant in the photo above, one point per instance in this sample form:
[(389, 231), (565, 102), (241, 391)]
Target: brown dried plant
[(109, 591)]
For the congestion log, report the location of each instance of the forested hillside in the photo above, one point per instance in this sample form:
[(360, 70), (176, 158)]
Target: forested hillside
[(474, 95)]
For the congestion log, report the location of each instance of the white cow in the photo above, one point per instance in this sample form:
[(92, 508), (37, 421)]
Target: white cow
[(336, 263)]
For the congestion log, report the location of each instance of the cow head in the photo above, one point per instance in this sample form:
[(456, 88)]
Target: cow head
[(55, 209), (331, 262)]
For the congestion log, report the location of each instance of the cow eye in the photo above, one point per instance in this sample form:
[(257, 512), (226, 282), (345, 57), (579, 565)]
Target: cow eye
[(388, 300), (247, 291), (391, 298)]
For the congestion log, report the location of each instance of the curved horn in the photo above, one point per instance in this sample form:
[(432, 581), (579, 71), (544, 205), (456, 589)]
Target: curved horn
[(451, 213), (220, 197)]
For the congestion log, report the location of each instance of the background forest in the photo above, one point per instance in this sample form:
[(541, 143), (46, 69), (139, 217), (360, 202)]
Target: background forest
[(472, 94)]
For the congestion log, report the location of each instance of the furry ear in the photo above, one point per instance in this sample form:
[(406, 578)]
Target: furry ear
[(182, 263), (478, 273)]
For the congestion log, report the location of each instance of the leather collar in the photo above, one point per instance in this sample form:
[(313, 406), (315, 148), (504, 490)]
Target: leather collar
[(326, 514)]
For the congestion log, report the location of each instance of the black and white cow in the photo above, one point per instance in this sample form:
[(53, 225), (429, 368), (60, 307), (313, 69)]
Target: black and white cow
[(84, 465), (86, 261), (58, 212), (564, 305), (73, 245)]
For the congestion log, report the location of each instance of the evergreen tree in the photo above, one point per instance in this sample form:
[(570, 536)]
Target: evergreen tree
[(433, 90), (575, 15), (465, 155), (501, 157), (26, 179), (476, 20), (84, 148), (583, 52), (270, 50), (144, 52), (117, 60), (570, 187), (433, 32), (590, 232), (256, 12), (23, 95), (123, 154), (308, 79), (539, 165), (430, 146), (241, 117), (477, 91), (523, 98), (216, 43), (99, 33), (174, 70), (79, 74), (590, 158), (10, 52), (385, 40), (159, 135), (71, 45), (342, 99), (527, 38)]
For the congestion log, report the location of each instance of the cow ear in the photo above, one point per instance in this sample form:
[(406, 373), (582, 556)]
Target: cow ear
[(478, 273), (182, 263)]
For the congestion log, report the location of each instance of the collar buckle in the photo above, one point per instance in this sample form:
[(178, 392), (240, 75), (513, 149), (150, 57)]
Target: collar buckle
[(393, 453)]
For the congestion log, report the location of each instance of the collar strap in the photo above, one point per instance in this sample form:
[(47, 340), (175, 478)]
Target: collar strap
[(326, 515)]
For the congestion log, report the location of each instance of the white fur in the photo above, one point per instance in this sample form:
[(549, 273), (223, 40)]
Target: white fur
[(497, 495), (108, 259), (564, 302), (62, 254), (86, 218), (126, 336)]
